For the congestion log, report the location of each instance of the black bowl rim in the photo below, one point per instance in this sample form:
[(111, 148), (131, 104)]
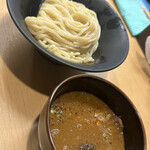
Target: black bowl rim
[(59, 60), (97, 78)]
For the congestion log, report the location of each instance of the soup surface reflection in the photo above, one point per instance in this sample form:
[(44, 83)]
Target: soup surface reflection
[(81, 121)]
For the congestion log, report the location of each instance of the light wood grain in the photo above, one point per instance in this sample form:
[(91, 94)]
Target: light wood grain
[(27, 78)]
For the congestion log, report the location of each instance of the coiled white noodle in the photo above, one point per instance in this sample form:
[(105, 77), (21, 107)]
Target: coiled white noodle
[(67, 29)]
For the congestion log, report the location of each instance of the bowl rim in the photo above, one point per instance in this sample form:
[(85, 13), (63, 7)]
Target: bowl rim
[(97, 78), (52, 57)]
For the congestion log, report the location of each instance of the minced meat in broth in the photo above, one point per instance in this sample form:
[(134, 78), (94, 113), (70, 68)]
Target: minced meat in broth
[(81, 121)]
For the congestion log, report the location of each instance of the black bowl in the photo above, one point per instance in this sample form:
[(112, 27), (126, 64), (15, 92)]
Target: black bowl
[(113, 44), (121, 105)]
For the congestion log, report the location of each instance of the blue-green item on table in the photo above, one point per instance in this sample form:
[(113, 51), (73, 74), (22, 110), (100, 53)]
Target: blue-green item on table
[(133, 15)]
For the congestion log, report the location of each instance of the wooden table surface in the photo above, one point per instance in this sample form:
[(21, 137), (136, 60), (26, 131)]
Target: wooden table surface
[(26, 80)]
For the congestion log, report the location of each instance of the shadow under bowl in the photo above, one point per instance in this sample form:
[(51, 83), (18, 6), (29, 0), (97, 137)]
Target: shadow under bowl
[(121, 105), (113, 44)]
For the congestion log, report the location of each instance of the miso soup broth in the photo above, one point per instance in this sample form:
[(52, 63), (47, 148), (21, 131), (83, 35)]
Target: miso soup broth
[(81, 121)]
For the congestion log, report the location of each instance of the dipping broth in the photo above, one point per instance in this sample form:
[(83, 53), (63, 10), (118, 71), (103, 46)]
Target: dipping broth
[(79, 120)]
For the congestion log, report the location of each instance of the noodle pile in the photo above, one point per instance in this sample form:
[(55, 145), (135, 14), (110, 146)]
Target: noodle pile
[(67, 29)]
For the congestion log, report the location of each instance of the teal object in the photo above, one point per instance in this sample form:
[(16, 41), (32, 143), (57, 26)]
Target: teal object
[(133, 15)]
